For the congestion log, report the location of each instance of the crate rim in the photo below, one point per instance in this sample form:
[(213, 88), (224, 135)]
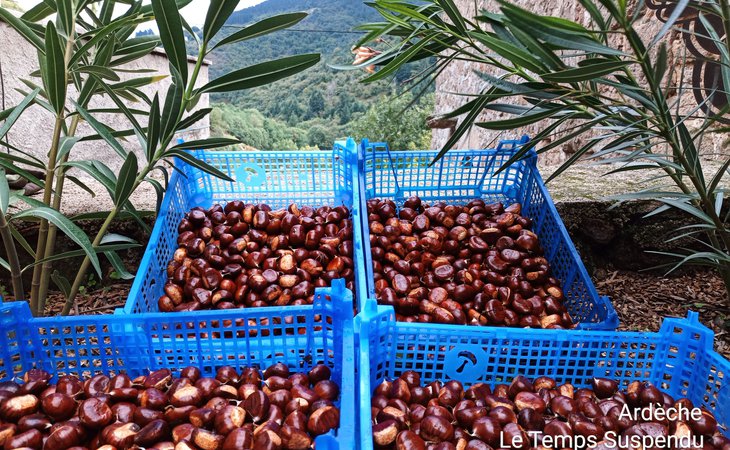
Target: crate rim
[(505, 146), (373, 312), (349, 147), (340, 297)]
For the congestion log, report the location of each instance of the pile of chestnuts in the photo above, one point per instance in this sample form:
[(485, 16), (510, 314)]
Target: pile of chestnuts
[(474, 264), (243, 255), (273, 409), (539, 414)]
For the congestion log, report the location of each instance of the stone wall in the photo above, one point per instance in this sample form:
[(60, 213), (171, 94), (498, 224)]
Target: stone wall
[(460, 77), (32, 132)]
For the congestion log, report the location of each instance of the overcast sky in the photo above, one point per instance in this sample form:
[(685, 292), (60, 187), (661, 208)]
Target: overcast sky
[(194, 13)]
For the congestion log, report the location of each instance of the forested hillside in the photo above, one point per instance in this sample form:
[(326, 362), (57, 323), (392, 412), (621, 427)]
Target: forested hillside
[(319, 105)]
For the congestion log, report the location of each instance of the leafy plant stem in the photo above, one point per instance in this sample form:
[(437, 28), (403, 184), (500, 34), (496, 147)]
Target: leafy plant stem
[(194, 76), (12, 256), (46, 233), (81, 274), (668, 129), (35, 303), (51, 240)]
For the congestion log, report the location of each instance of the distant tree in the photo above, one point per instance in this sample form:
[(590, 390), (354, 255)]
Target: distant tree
[(391, 121), (316, 104), (317, 137)]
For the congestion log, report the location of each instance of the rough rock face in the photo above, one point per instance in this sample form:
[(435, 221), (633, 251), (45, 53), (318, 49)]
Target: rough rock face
[(33, 130), (460, 77)]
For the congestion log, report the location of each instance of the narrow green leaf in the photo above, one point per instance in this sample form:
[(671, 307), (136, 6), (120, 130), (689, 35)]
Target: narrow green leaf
[(103, 131), (572, 160), (677, 10), (9, 166), (401, 58), (718, 202), (195, 162), (193, 118), (203, 144), (721, 172), (81, 184), (16, 111), (125, 182), (118, 266), (55, 70), (38, 12), (101, 215), (66, 14), (533, 90), (466, 123), (153, 128), (170, 26), (660, 66), (77, 253), (136, 44), (159, 191), (23, 28), (115, 237), (508, 124), (4, 193), (260, 74), (65, 145), (262, 27), (122, 107), (102, 72), (97, 171), (21, 240), (218, 12), (585, 73), (61, 283), (453, 12), (139, 52), (173, 104), (136, 82), (686, 207), (545, 29), (510, 52), (595, 13), (68, 228)]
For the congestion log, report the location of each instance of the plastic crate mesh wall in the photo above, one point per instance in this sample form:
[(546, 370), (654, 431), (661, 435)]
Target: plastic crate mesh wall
[(460, 176), (305, 336), (457, 177), (276, 178), (679, 359)]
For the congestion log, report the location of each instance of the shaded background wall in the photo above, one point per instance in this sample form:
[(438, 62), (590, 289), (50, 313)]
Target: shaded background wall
[(33, 130), (460, 77)]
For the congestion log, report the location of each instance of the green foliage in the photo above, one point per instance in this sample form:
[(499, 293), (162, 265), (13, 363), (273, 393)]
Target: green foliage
[(77, 54), (322, 93), (626, 99), (255, 130), (392, 121)]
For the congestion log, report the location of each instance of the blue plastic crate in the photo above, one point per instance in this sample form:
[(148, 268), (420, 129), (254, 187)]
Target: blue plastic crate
[(138, 343), (278, 178), (463, 175), (679, 359)]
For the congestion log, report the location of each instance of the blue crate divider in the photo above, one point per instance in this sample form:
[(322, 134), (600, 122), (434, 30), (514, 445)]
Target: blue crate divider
[(278, 178), (138, 343), (678, 359), (462, 175)]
